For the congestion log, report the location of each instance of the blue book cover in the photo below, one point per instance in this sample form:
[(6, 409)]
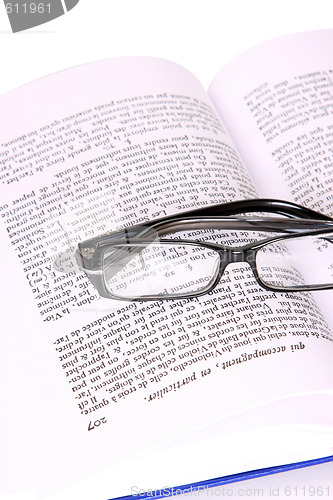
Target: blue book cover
[(187, 489)]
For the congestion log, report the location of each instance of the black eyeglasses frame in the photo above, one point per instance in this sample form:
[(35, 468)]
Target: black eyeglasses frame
[(297, 221)]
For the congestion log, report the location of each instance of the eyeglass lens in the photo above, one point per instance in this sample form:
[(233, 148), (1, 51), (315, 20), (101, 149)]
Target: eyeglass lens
[(293, 263), (161, 269)]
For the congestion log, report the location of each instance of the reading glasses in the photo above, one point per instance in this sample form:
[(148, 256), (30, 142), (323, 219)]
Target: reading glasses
[(185, 255)]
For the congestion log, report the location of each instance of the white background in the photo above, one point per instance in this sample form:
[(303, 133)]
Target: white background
[(200, 35)]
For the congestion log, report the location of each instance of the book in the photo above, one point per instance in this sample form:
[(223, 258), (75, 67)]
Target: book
[(106, 398)]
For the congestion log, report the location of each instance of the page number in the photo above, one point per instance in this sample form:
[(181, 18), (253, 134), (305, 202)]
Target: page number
[(97, 423)]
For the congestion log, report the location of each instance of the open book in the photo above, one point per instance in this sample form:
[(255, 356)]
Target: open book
[(107, 398)]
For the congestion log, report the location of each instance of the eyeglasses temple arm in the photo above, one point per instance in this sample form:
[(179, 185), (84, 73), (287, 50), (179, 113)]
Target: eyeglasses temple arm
[(247, 206)]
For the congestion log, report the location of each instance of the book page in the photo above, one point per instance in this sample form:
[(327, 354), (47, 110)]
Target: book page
[(92, 382), (276, 100)]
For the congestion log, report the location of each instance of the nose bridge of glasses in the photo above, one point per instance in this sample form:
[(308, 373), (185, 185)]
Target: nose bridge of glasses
[(236, 255), (229, 256)]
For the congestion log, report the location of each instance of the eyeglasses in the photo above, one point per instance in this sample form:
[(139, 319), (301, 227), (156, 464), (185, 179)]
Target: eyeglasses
[(186, 255)]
